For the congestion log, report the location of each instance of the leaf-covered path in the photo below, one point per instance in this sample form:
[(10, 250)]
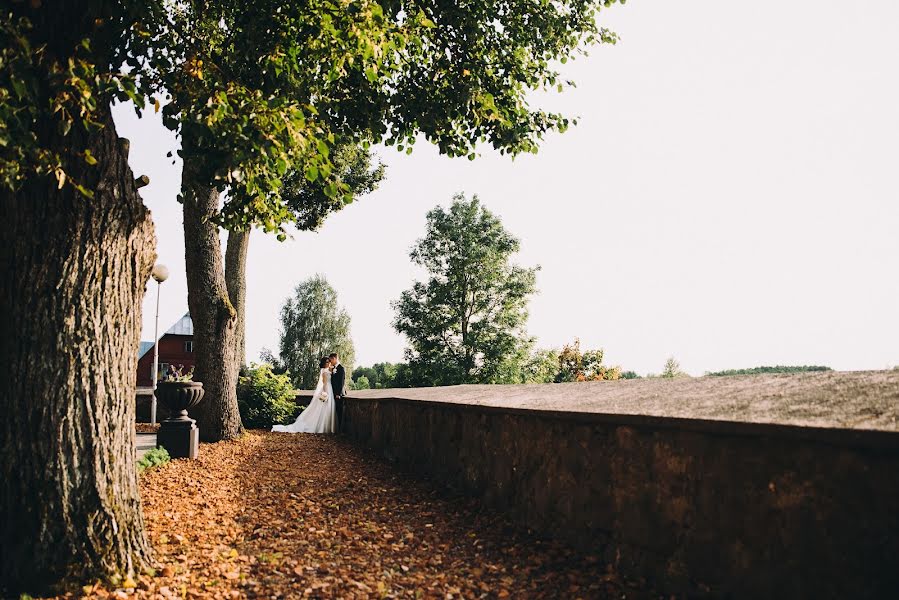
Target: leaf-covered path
[(280, 515)]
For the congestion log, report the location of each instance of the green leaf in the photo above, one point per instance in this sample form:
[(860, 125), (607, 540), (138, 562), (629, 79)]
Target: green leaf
[(312, 173), (84, 191)]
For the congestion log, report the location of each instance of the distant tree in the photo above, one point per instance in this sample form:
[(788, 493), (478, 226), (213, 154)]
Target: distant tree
[(541, 367), (361, 383), (672, 369), (761, 370), (405, 377), (312, 326), (379, 375), (466, 323), (629, 375), (575, 365), (367, 372)]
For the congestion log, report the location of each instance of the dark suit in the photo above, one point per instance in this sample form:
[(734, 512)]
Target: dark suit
[(338, 384)]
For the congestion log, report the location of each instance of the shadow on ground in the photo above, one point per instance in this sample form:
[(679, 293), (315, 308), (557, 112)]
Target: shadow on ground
[(286, 515)]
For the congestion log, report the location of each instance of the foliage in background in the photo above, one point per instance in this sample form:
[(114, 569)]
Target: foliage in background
[(378, 376), (629, 375), (761, 370), (361, 383), (541, 367), (264, 397), (153, 458), (577, 365), (466, 323), (313, 326)]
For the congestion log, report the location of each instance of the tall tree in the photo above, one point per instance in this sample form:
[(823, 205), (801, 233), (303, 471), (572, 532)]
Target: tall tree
[(313, 326), (78, 246), (465, 324), (264, 87)]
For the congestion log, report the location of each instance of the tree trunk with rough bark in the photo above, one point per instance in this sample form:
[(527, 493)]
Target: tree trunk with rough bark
[(236, 278), (74, 274), (211, 310)]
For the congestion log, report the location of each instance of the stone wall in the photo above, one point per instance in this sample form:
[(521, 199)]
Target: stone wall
[(697, 506)]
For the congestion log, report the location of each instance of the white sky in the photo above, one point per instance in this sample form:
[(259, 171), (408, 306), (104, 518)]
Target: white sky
[(730, 197)]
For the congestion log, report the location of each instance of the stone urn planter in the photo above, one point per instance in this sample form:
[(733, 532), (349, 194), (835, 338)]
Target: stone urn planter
[(179, 435)]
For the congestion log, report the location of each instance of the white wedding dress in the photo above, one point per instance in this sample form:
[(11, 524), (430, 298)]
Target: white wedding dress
[(320, 416)]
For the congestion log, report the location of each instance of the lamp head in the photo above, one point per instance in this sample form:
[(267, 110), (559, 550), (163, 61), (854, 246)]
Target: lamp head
[(160, 272)]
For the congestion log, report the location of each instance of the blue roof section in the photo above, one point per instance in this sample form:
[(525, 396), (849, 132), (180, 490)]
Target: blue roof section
[(144, 348)]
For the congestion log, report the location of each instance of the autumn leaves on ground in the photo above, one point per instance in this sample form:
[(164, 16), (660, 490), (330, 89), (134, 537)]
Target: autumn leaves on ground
[(279, 515)]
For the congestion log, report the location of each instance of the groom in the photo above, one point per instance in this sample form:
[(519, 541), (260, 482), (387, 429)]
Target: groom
[(338, 384)]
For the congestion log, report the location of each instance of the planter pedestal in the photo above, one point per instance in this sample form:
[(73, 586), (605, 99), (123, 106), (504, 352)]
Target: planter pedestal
[(180, 438), (179, 435)]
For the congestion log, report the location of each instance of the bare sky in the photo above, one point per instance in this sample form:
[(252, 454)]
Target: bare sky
[(730, 197)]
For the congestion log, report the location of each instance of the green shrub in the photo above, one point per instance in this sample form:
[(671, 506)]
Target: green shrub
[(361, 383), (265, 398), (153, 458)]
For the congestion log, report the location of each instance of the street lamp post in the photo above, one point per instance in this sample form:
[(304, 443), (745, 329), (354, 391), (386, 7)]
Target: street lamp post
[(160, 273)]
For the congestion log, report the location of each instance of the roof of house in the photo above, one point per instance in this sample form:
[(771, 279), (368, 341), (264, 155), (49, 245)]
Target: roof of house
[(183, 326), (144, 348)]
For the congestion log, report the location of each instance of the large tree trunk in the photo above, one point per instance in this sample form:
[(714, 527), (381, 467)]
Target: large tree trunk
[(74, 273), (236, 278), (212, 312)]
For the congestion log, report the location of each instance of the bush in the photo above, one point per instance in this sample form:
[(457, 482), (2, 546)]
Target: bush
[(153, 458), (361, 383), (575, 365), (265, 398)]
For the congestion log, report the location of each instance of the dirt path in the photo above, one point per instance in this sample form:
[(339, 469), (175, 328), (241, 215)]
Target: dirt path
[(279, 515)]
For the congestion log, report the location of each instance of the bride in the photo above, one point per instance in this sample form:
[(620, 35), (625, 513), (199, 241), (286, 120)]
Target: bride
[(320, 416)]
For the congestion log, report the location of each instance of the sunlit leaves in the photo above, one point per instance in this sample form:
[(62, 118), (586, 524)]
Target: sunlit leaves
[(35, 86), (263, 88), (456, 75)]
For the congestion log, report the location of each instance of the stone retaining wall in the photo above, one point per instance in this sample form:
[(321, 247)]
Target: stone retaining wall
[(697, 507)]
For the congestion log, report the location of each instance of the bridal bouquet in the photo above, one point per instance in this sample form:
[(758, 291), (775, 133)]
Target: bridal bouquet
[(323, 396)]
